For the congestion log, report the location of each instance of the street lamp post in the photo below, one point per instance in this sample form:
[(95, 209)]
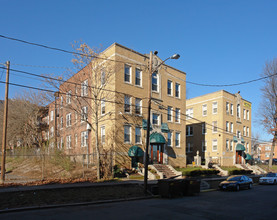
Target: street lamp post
[(151, 71)]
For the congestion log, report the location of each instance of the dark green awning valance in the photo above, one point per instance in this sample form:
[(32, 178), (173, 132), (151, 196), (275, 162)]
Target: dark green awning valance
[(165, 128), (135, 151), (144, 125), (157, 138), (240, 147), (248, 157)]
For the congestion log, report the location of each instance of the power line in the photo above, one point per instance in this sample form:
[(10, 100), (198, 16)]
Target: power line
[(65, 51)]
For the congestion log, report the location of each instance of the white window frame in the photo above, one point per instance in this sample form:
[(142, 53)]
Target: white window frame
[(169, 138), (103, 133), (231, 145), (231, 109), (214, 126), (247, 131), (138, 139), (204, 110), (158, 118), (138, 106), (238, 111), (138, 77), (178, 115), (231, 127), (214, 108), (247, 114), (227, 126), (227, 145), (52, 115), (68, 142), (227, 108), (103, 107), (177, 90), (68, 97), (189, 113), (84, 138), (84, 113), (156, 85), (244, 131), (127, 104), (244, 114), (51, 132), (68, 120), (103, 77), (127, 131), (170, 114), (127, 74), (61, 146), (61, 122), (169, 87), (84, 88), (76, 140), (177, 139), (214, 143)]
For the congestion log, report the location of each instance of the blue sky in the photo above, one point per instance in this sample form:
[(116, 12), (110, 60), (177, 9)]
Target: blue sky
[(220, 41)]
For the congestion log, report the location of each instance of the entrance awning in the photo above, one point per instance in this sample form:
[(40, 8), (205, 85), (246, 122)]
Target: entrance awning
[(135, 151), (240, 147), (157, 138), (248, 157)]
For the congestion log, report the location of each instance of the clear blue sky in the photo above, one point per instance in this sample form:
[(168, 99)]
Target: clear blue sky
[(220, 41)]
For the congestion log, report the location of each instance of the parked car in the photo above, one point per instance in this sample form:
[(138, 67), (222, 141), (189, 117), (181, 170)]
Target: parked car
[(236, 182), (270, 178)]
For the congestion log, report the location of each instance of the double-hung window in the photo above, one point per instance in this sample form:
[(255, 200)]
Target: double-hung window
[(177, 139), (103, 78), (84, 88), (238, 110), (177, 115), (169, 113), (68, 120), (84, 139), (169, 139), (227, 145), (169, 87), (68, 141), (103, 107), (189, 113), (214, 126), (138, 77), (177, 90), (68, 97), (227, 126), (155, 119), (127, 134), (138, 106), (214, 145), (189, 130), (138, 135), (61, 123), (227, 108), (51, 115), (214, 107), (127, 74), (204, 110), (84, 115), (232, 109), (155, 86), (103, 134), (127, 104)]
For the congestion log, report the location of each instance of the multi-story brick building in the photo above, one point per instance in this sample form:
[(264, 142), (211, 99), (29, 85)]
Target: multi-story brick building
[(120, 109), (263, 151), (219, 127)]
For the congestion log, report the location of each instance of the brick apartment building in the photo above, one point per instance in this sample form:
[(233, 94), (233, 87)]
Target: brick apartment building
[(219, 128), (121, 107), (263, 151)]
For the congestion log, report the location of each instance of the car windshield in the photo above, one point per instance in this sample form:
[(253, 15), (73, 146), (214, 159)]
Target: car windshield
[(270, 175), (234, 178)]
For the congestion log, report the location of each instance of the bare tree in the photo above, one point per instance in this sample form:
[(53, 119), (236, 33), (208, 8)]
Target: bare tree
[(268, 106)]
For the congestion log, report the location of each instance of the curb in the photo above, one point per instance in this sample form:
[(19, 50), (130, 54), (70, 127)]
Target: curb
[(73, 204)]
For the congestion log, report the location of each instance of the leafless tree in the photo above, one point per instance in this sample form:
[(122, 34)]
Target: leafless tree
[(268, 106)]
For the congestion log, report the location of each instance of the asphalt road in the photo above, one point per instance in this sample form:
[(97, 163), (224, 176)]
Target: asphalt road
[(257, 203)]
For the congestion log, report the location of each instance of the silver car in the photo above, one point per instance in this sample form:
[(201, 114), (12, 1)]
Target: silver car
[(270, 178)]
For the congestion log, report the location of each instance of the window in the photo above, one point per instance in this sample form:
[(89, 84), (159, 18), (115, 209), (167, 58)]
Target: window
[(127, 104), (204, 130), (169, 87), (231, 127), (127, 134), (267, 154), (76, 140), (227, 126), (177, 115), (84, 88), (204, 146), (189, 113), (244, 131), (138, 106), (244, 114), (61, 102), (76, 116), (232, 109), (103, 107), (227, 108), (227, 145), (76, 91), (214, 123), (267, 148), (155, 118), (247, 114), (138, 135), (61, 123), (177, 139), (84, 115), (61, 142), (68, 97), (204, 110), (127, 74), (214, 107), (68, 120), (138, 77), (102, 134), (247, 147), (189, 131), (169, 139), (214, 145), (155, 82), (238, 134), (51, 131), (84, 139), (247, 131), (177, 90), (231, 145), (238, 110), (169, 113), (68, 141), (189, 147), (103, 78), (51, 115)]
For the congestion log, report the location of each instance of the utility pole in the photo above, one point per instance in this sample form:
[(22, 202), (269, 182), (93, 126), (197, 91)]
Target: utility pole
[(5, 123), (274, 138), (148, 125), (56, 94)]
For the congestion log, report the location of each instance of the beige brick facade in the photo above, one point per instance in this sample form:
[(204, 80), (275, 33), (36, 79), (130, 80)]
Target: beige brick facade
[(212, 122)]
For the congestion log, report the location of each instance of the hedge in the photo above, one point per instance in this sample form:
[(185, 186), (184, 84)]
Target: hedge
[(199, 172), (239, 172)]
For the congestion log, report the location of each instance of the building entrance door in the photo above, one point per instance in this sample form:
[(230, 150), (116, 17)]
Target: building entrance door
[(156, 153), (238, 157)]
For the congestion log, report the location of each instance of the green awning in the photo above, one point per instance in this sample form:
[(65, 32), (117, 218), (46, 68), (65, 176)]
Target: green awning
[(144, 125), (135, 151), (248, 157), (235, 139), (240, 147), (157, 138), (165, 128)]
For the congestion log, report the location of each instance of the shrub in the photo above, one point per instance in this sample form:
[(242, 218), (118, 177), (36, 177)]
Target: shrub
[(239, 172), (118, 172), (199, 172)]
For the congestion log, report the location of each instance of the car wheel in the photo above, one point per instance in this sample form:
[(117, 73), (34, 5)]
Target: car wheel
[(250, 186), (237, 187)]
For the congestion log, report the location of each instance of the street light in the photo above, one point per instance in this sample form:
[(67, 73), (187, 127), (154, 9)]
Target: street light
[(175, 57)]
